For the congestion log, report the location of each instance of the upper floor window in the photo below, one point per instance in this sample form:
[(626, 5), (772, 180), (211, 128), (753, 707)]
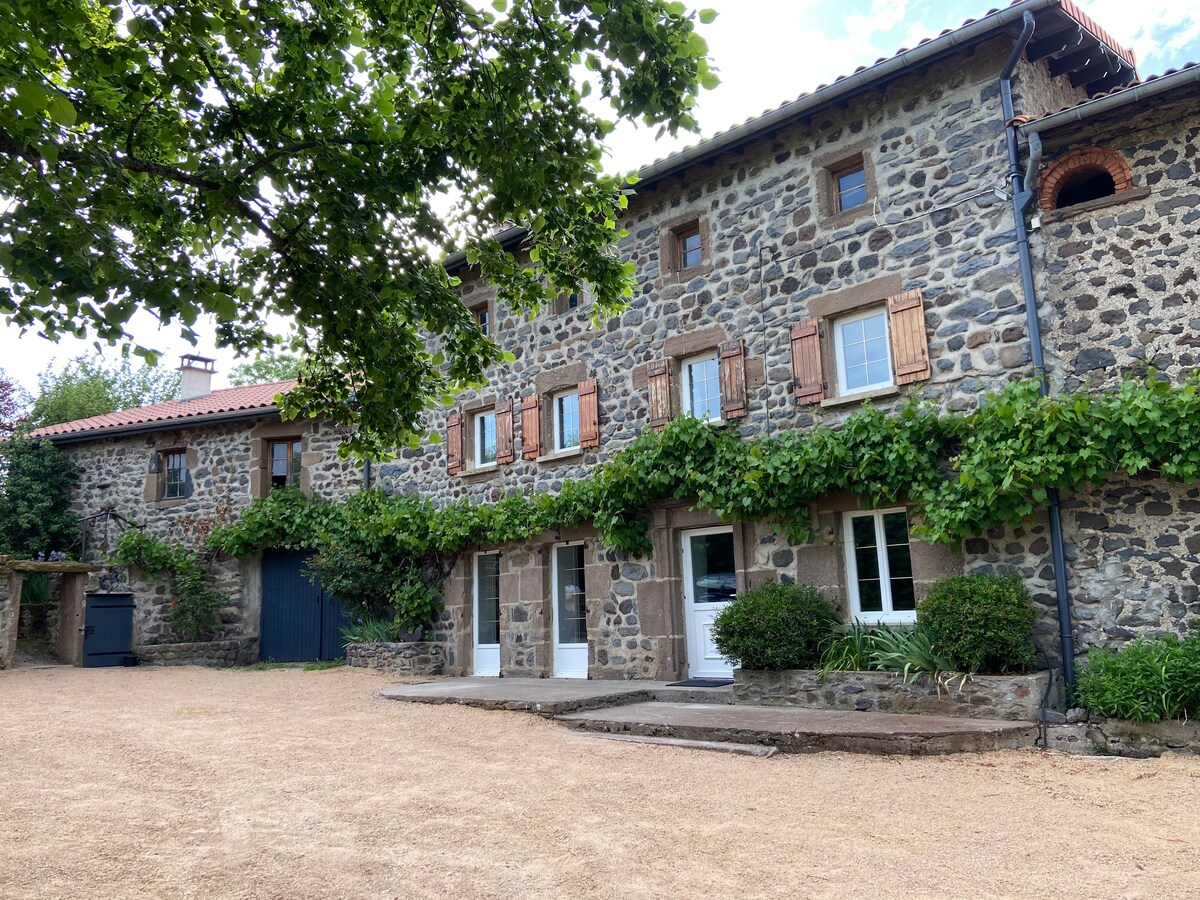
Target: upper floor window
[(863, 352), (689, 247), (285, 459), (566, 421), (700, 390), (851, 185), (483, 318), (485, 438), (879, 566), (175, 474)]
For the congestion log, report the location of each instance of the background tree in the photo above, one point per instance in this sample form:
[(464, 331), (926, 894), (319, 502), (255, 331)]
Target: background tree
[(270, 366), (87, 386), (35, 500), (293, 157), (14, 403)]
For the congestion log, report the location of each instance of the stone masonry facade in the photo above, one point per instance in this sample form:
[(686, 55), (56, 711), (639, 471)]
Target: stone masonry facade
[(1116, 281)]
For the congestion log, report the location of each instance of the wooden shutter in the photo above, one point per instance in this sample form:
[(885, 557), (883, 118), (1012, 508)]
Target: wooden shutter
[(454, 443), (589, 414), (910, 345), (531, 427), (732, 355), (658, 377), (504, 432), (808, 381)]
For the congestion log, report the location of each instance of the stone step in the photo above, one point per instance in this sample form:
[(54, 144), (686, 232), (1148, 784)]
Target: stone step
[(759, 750), (807, 730)]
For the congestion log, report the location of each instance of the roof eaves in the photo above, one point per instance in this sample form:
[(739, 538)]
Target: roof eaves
[(137, 428), (1137, 92)]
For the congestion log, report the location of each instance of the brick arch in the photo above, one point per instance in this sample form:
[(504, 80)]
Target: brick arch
[(1086, 159)]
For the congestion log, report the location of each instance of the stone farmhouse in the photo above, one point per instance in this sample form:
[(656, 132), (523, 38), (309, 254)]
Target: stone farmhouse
[(873, 239)]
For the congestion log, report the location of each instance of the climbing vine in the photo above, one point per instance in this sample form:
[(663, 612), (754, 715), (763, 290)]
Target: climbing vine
[(962, 474), (194, 602)]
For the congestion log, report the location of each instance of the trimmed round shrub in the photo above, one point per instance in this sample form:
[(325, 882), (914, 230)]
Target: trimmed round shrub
[(980, 623), (776, 626)]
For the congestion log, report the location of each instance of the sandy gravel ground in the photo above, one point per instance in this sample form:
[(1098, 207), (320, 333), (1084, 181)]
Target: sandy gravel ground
[(168, 783)]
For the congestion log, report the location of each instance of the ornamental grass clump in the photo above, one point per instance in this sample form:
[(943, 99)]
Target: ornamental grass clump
[(776, 627), (980, 623), (1148, 680)]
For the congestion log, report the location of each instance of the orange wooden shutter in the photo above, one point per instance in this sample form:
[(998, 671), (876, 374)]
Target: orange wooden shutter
[(658, 376), (910, 344), (589, 414), (531, 426), (806, 362), (733, 379), (504, 432), (454, 443)]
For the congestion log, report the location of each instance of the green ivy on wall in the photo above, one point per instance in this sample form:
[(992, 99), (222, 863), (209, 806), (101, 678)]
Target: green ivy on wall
[(962, 474)]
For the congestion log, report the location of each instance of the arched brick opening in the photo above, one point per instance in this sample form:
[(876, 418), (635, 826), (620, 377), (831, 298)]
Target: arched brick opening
[(1071, 168)]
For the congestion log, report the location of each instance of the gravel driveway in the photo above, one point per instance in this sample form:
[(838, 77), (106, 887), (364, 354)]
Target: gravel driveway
[(164, 783)]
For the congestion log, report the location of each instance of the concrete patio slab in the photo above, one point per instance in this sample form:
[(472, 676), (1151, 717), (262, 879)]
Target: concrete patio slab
[(548, 696), (757, 750), (807, 730)]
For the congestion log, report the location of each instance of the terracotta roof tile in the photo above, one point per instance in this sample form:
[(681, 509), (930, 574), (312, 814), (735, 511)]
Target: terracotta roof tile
[(227, 400)]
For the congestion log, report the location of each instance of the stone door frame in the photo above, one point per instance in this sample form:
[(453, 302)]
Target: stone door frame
[(71, 607)]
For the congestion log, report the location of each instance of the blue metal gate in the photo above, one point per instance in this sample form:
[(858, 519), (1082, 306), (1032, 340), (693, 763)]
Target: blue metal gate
[(300, 622), (108, 630)]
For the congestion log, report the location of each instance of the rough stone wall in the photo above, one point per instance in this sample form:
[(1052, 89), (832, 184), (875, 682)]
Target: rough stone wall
[(1119, 291), (229, 652), (1118, 281), (932, 140), (115, 480), (414, 658)]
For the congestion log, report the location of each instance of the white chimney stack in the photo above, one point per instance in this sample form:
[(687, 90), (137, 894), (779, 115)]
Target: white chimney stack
[(196, 376)]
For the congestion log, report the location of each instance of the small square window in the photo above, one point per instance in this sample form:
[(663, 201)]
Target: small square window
[(690, 250), (285, 463), (700, 390), (174, 474), (851, 186), (879, 567), (864, 357), (482, 319), (566, 421), (485, 439)]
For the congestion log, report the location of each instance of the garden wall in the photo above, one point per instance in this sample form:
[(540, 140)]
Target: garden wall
[(1014, 697), (413, 658), (232, 652)]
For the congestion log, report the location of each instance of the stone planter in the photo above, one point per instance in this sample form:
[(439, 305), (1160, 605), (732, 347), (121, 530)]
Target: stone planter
[(408, 658), (1014, 697), (232, 652)]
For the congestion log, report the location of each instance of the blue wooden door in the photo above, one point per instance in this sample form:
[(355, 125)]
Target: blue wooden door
[(300, 623), (107, 630)]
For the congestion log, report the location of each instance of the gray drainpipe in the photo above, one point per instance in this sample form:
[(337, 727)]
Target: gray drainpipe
[(1021, 198), (366, 474)]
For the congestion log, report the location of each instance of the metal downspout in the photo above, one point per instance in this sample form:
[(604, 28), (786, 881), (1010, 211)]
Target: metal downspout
[(1021, 198)]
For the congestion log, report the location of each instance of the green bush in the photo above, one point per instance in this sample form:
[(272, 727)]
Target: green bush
[(776, 626), (980, 623), (1147, 680)]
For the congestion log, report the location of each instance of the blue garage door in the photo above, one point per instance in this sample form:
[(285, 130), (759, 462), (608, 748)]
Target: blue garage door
[(300, 622)]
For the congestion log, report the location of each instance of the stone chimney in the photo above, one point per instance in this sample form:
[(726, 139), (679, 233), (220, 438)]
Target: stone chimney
[(196, 376)]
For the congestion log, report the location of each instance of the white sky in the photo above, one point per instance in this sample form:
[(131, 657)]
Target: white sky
[(767, 52)]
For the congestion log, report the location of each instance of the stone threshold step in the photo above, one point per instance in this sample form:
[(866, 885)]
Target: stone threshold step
[(807, 730)]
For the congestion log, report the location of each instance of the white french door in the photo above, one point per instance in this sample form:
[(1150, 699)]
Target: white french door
[(709, 584), (487, 614), (570, 612)]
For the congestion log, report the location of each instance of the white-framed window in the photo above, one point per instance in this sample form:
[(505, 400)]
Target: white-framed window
[(487, 599), (864, 352), (879, 566), (700, 387), (485, 439), (566, 421)]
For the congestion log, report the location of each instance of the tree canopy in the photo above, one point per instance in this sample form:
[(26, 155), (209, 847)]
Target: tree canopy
[(87, 386), (35, 500), (266, 367), (314, 159)]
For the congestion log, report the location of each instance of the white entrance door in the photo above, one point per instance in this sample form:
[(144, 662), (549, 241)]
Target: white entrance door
[(487, 614), (570, 612), (709, 583)]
